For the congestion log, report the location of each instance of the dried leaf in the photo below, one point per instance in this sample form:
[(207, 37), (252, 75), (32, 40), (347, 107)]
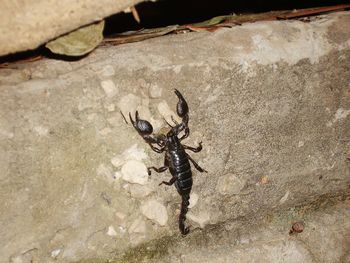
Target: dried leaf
[(213, 21), (313, 11), (78, 42), (135, 36)]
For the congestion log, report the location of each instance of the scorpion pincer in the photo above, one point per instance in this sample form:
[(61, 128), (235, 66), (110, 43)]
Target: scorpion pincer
[(176, 159)]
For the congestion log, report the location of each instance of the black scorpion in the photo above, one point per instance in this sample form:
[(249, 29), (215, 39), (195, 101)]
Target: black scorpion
[(176, 158)]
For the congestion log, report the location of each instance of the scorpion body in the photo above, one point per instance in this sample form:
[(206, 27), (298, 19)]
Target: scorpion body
[(176, 159)]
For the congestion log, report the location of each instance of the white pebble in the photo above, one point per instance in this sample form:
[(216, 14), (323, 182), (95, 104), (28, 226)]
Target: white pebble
[(138, 226), (285, 197), (155, 211), (55, 253), (111, 231), (229, 185), (40, 130), (117, 175), (135, 172), (136, 239), (122, 229), (155, 91), (139, 191), (341, 114), (166, 112), (129, 103), (135, 153), (109, 88), (201, 219), (110, 107), (105, 131), (105, 172), (120, 219), (117, 161), (193, 200), (132, 153), (120, 215), (6, 134), (16, 260), (107, 71)]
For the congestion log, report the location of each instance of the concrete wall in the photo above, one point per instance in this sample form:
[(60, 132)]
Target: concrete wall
[(269, 100)]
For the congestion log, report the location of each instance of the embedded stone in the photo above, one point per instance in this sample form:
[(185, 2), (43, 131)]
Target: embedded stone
[(155, 211), (135, 172)]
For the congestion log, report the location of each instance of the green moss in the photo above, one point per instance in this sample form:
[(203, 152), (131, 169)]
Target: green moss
[(145, 252), (304, 211), (94, 260)]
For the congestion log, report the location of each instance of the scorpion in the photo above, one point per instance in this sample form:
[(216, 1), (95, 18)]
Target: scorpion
[(176, 159)]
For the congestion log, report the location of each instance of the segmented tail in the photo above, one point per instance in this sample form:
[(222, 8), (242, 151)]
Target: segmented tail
[(184, 208)]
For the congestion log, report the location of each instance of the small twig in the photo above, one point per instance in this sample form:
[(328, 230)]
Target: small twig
[(135, 14), (124, 117)]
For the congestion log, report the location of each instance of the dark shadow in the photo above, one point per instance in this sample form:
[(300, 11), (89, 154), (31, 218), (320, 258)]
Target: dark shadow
[(169, 12)]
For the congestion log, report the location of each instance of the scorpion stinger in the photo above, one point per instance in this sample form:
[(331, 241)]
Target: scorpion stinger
[(182, 111)]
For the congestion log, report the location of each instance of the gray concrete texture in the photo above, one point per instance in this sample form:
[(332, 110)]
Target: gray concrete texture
[(269, 100), (326, 238), (27, 24)]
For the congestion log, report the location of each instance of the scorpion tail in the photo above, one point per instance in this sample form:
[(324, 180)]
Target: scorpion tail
[(184, 208)]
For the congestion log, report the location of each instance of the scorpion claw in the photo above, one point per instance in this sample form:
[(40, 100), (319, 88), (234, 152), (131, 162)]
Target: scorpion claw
[(182, 107), (143, 127)]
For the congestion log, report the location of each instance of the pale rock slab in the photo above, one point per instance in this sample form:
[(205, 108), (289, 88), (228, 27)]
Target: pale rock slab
[(137, 226), (132, 153), (135, 172), (139, 191), (129, 103), (193, 200), (109, 88), (229, 185), (155, 211), (202, 218), (107, 71), (167, 113), (155, 91)]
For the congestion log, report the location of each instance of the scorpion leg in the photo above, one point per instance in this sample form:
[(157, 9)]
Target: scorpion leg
[(193, 149), (171, 182), (200, 169), (158, 170), (157, 150)]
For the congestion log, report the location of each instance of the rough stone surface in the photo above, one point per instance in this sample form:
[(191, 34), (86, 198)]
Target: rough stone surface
[(269, 100), (325, 239), (155, 211), (135, 172), (27, 24)]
